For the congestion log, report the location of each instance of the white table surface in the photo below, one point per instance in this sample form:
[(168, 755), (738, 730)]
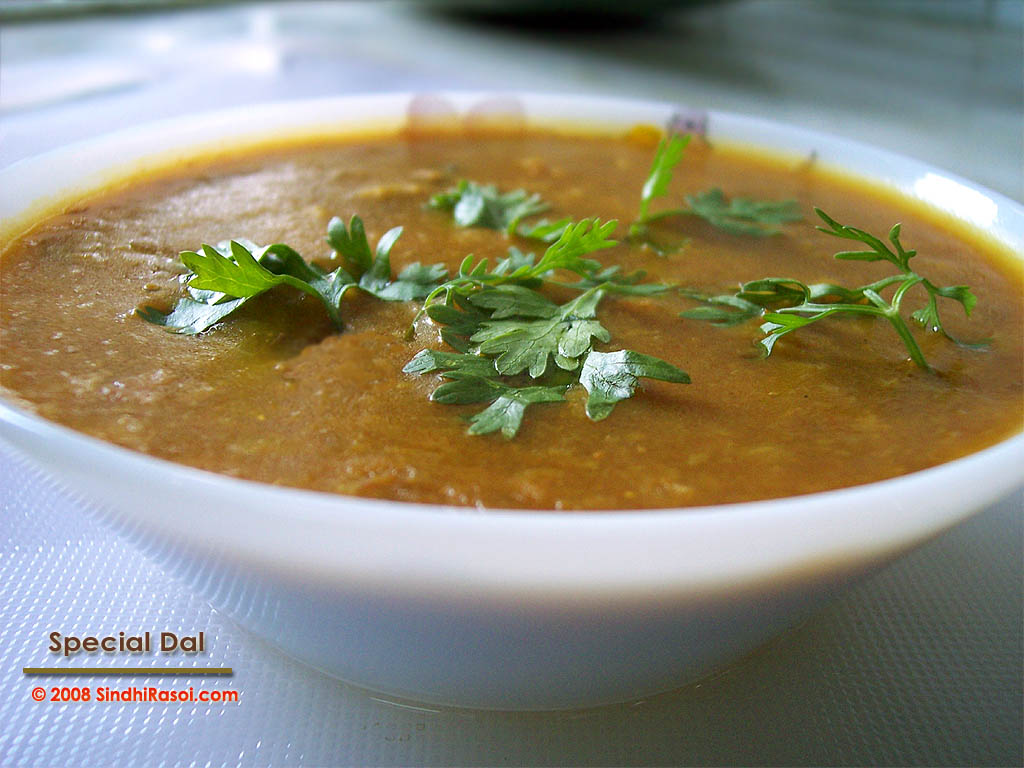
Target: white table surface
[(921, 664)]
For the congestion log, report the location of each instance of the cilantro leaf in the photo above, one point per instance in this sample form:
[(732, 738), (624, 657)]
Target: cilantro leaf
[(776, 325), (507, 330), (610, 377), (544, 230), (190, 316), (234, 274), (513, 300), (221, 279), (877, 250), (507, 411), (520, 344), (351, 244), (577, 240), (481, 205), (507, 403), (666, 158), (723, 310), (416, 281), (515, 261), (928, 316), (741, 215), (474, 379), (460, 320), (454, 365), (613, 280), (374, 272), (786, 305)]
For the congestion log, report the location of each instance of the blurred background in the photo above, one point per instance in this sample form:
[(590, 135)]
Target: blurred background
[(940, 81), (920, 665)]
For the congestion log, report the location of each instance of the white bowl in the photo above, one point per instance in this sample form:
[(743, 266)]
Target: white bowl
[(503, 609)]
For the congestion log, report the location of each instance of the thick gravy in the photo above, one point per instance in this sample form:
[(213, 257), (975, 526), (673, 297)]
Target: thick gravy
[(274, 394)]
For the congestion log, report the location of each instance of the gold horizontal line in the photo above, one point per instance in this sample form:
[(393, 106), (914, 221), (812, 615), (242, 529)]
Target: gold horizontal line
[(127, 671)]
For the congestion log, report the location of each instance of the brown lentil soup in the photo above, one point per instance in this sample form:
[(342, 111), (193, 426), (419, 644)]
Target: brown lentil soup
[(275, 394)]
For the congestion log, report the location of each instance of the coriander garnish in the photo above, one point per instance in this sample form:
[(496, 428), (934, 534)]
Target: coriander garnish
[(739, 216), (610, 377), (416, 281), (510, 331), (224, 277), (481, 205), (666, 158), (474, 379), (786, 305), (505, 329)]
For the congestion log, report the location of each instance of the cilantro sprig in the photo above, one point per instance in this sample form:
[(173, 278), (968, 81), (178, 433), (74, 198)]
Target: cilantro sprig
[(373, 273), (473, 204), (503, 329), (511, 331), (223, 278), (738, 216), (741, 215), (567, 253), (610, 377), (786, 305), (474, 379)]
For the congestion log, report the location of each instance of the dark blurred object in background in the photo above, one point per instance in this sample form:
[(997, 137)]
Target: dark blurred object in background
[(574, 13)]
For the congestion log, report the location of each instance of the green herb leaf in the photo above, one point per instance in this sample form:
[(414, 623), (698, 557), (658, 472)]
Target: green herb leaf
[(465, 390), (507, 411), (666, 158), (877, 250), (613, 280), (928, 316), (515, 261), (237, 274), (741, 215), (190, 316), (722, 310), (351, 244), (577, 240), (513, 300), (452, 364), (474, 379), (460, 318), (481, 205), (584, 237), (544, 230), (786, 305), (502, 329), (374, 272), (610, 377), (519, 344), (776, 325), (222, 279)]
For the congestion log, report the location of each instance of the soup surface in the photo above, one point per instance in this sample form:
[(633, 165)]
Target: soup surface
[(274, 393)]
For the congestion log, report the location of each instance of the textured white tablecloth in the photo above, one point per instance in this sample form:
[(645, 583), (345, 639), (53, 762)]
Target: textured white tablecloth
[(922, 664), (919, 665)]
